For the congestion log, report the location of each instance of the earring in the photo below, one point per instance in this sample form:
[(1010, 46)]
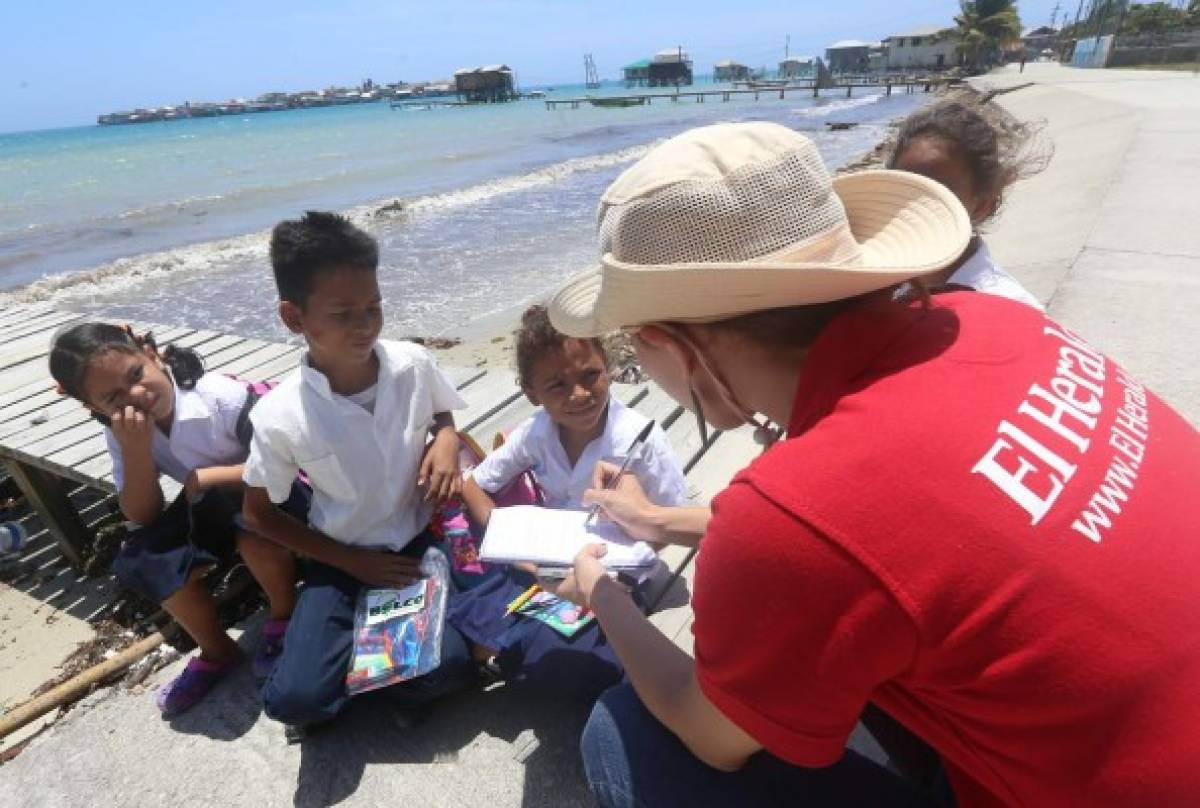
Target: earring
[(765, 435)]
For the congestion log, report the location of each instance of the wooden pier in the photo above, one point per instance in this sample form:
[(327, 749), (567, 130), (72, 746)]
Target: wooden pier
[(57, 455), (780, 93)]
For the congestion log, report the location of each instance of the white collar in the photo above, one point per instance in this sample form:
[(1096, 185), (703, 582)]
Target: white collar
[(320, 384), (189, 404), (975, 269)]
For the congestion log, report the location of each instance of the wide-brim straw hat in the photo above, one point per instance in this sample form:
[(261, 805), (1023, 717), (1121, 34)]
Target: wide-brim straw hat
[(734, 218)]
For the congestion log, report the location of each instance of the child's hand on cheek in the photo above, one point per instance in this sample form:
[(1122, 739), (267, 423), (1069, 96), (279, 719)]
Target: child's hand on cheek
[(439, 474), (133, 430)]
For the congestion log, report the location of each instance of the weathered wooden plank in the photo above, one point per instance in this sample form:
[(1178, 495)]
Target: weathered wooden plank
[(24, 349), (12, 314), (219, 359), (245, 366), (45, 493), (42, 323), (461, 377), (12, 391), (21, 411), (62, 415), (46, 439), (487, 396), (730, 453), (94, 470), (503, 421)]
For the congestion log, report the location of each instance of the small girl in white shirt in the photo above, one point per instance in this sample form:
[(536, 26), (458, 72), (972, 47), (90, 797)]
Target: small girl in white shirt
[(163, 415), (579, 424), (977, 150)]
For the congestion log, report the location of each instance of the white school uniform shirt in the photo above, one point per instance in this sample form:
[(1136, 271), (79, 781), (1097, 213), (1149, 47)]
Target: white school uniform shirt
[(981, 273), (362, 465), (203, 431), (535, 445)]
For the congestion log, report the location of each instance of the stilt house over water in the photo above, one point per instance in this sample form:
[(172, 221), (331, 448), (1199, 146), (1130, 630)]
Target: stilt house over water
[(798, 67), (729, 70), (671, 68), (637, 74), (485, 85)]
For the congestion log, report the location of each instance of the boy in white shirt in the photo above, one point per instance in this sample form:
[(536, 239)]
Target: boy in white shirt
[(356, 418)]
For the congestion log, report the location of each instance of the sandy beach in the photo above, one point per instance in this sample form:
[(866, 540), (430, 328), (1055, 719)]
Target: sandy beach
[(1105, 237)]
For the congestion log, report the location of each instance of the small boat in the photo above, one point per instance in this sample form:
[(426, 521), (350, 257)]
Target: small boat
[(620, 101)]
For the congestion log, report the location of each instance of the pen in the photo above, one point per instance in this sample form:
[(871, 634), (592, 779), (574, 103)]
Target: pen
[(522, 600), (634, 450)]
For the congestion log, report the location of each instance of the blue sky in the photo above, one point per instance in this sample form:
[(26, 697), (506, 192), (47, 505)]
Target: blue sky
[(62, 63)]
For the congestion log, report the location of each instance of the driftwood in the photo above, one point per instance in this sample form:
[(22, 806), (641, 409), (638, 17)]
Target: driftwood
[(80, 685)]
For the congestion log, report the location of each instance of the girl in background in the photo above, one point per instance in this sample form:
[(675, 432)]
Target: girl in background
[(977, 150)]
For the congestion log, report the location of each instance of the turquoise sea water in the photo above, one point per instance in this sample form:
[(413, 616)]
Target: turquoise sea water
[(167, 221)]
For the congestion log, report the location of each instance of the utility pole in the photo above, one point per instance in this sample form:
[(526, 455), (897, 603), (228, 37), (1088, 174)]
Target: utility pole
[(787, 46), (1054, 13)]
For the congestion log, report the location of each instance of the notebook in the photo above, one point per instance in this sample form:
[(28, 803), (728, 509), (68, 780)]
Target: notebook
[(549, 537)]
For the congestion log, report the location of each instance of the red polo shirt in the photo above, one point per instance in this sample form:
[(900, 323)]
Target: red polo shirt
[(992, 532)]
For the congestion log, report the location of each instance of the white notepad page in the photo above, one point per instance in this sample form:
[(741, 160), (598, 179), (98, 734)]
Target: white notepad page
[(554, 537)]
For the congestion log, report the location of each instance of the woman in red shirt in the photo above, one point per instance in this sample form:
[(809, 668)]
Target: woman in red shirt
[(976, 522)]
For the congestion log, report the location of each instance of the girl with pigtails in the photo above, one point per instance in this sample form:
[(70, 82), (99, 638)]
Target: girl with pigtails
[(163, 414)]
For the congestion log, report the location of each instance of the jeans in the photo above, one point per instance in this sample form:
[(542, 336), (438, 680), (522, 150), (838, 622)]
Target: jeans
[(308, 685), (633, 760)]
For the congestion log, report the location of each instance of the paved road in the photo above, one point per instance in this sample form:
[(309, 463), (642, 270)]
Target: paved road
[(1109, 234)]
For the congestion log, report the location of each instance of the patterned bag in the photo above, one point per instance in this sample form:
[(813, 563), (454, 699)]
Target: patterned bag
[(451, 525)]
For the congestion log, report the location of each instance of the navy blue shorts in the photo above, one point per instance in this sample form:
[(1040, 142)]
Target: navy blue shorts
[(582, 666), (156, 560)]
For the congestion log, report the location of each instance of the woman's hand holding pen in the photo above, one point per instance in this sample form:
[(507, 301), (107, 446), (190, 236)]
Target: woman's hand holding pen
[(627, 504)]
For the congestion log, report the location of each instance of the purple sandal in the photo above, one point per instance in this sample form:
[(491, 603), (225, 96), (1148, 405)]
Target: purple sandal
[(269, 648), (187, 689)]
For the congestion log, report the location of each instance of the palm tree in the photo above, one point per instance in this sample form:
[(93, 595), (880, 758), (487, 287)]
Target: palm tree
[(984, 27)]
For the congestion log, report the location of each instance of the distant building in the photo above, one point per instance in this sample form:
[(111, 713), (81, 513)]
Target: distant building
[(850, 56), (929, 47), (637, 74), (1038, 40), (485, 85), (798, 67), (670, 68), (729, 70)]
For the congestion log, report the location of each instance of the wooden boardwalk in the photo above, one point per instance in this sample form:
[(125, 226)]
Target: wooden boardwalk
[(51, 446), (810, 88)]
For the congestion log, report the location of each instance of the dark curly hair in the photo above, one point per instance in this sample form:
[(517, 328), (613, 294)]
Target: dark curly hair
[(997, 147), (317, 242), (537, 337)]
